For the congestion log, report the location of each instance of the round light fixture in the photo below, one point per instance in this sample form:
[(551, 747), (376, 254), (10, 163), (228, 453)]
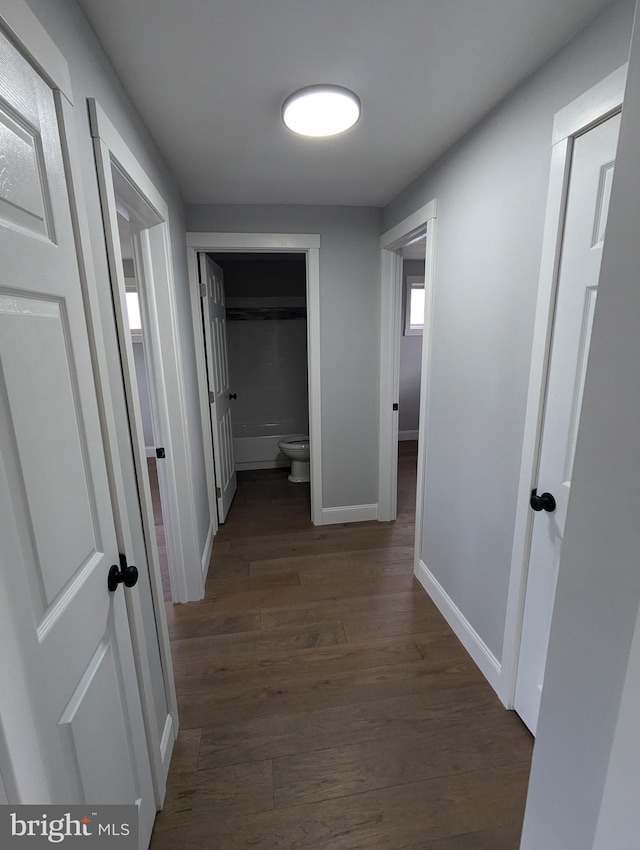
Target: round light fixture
[(321, 110)]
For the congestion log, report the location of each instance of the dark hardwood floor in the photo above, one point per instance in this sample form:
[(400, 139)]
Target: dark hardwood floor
[(324, 702)]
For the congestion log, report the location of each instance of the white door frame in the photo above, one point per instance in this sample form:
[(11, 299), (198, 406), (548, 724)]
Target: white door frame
[(166, 373), (594, 106), (390, 340), (274, 243), (152, 248)]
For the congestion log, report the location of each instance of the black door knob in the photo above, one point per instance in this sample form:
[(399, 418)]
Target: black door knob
[(123, 574), (545, 502), (232, 396)]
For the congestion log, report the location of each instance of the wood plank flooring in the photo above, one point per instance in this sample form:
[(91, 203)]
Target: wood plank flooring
[(324, 702)]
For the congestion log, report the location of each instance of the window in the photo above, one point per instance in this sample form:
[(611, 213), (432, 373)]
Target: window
[(414, 306), (133, 310)]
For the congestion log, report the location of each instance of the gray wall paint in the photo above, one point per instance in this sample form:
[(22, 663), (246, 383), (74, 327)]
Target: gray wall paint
[(349, 330), (491, 190), (587, 742), (93, 76), (410, 362)]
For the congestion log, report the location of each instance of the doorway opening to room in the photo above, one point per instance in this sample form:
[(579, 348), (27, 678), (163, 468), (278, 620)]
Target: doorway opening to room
[(254, 319), (410, 373), (202, 274), (141, 381), (407, 282)]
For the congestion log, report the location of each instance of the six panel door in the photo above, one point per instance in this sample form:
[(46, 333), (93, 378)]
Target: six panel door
[(56, 520)]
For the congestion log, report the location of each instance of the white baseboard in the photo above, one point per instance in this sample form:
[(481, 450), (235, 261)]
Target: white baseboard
[(208, 548), (466, 634), (408, 435), (261, 464), (150, 450), (351, 513)]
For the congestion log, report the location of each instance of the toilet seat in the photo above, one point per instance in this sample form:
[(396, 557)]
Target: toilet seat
[(298, 442)]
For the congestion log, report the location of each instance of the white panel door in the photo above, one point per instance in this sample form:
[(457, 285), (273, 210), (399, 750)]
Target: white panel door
[(215, 333), (586, 215), (56, 521)]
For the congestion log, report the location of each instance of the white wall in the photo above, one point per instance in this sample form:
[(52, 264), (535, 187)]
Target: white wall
[(349, 330), (586, 765), (491, 190), (410, 363)]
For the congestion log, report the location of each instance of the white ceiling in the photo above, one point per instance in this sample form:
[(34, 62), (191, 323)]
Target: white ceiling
[(209, 77)]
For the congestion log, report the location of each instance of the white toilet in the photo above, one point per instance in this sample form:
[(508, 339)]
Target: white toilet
[(298, 449)]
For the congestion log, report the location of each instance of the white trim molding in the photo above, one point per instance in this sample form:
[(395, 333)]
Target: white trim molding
[(596, 105), (125, 442), (208, 549), (280, 243), (403, 232), (349, 513), (166, 378), (468, 636)]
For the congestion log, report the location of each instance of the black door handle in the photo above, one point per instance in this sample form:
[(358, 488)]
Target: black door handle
[(232, 396), (123, 574), (545, 502)]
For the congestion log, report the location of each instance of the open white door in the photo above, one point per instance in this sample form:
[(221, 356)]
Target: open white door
[(71, 639), (215, 335), (586, 215)]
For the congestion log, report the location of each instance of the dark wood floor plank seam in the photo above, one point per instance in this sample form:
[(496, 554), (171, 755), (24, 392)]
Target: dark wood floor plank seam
[(463, 773), (369, 740)]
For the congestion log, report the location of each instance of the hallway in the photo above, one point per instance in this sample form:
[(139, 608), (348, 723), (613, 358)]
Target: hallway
[(324, 702)]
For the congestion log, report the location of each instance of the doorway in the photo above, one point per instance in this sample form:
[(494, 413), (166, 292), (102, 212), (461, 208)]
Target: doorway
[(129, 228), (410, 371), (407, 268), (559, 354), (306, 248), (261, 385), (127, 194), (592, 166)]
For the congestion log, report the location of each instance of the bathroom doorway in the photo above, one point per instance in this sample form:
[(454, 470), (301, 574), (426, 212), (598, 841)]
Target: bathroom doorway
[(254, 323), (308, 246)]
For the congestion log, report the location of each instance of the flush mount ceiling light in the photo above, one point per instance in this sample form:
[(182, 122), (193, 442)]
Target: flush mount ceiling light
[(321, 111)]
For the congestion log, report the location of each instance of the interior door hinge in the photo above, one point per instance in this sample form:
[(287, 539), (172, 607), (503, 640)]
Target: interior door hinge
[(203, 290), (395, 405), (212, 397), (218, 493)]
